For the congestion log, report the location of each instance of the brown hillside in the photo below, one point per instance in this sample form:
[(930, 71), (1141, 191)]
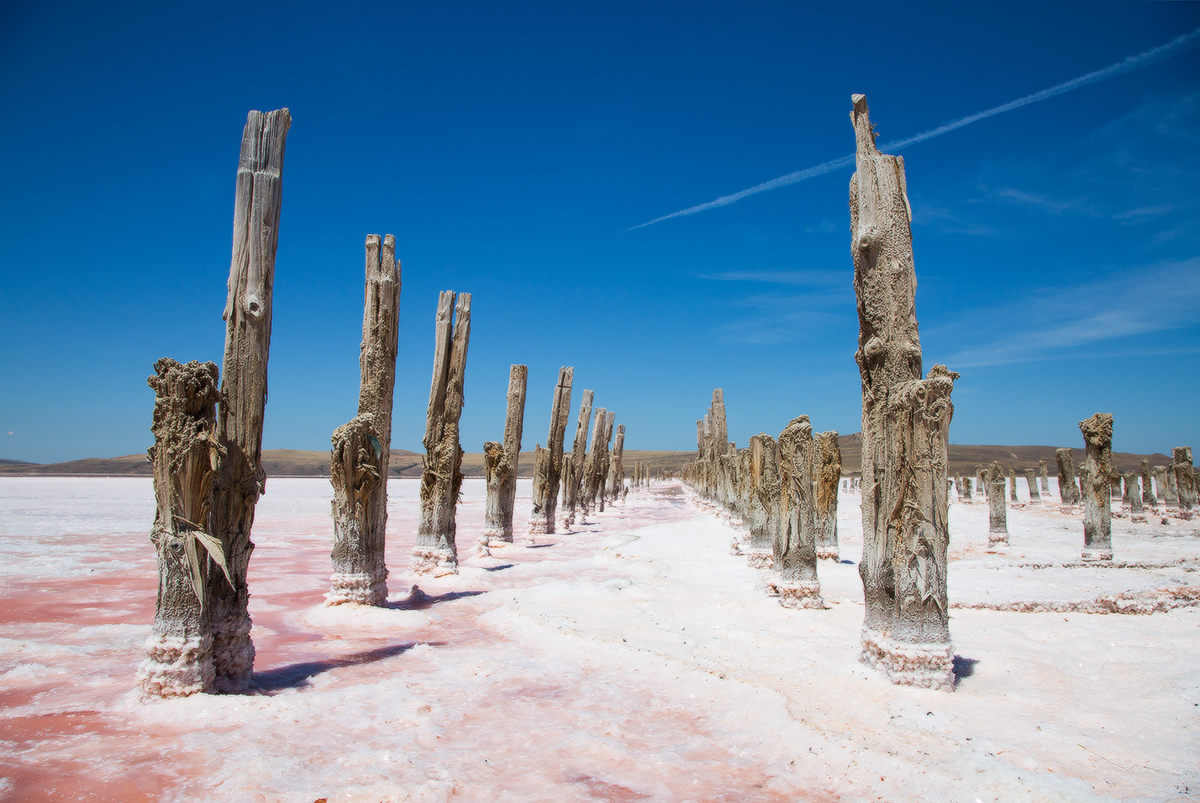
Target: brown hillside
[(296, 463)]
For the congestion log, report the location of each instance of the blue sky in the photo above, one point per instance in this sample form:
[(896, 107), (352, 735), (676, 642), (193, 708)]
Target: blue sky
[(511, 147)]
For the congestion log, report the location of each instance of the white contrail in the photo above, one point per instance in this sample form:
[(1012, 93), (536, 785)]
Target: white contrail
[(1127, 65)]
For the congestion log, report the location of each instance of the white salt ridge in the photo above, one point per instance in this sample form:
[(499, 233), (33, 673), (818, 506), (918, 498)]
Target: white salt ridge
[(631, 659)]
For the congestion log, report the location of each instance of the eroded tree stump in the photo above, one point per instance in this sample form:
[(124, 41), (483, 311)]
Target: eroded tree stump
[(1031, 481), (616, 466), (1184, 474), (797, 550), (997, 511), (185, 454), (441, 478), (1148, 499), (361, 450), (1097, 493), (573, 486), (905, 423), (1068, 491), (825, 493), (763, 510), (547, 469), (501, 461)]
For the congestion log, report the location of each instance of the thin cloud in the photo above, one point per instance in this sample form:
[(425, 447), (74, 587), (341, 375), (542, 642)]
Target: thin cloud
[(802, 277), (1109, 309), (1120, 68)]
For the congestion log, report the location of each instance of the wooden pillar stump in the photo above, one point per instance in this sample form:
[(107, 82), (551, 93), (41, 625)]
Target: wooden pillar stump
[(501, 462), (905, 424), (825, 493), (185, 453), (360, 455), (1097, 488), (240, 477), (435, 551)]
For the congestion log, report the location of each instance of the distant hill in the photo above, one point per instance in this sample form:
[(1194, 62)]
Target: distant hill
[(296, 463)]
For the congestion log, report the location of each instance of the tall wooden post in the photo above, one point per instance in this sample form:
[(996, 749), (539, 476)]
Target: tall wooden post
[(616, 465), (591, 469), (905, 426), (602, 465), (547, 470), (179, 658), (240, 478), (501, 461), (441, 478), (1097, 486), (573, 487), (361, 450)]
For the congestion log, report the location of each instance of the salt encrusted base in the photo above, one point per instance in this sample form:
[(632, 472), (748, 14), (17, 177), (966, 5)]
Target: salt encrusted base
[(1137, 519), (539, 526), (872, 647), (760, 559), (233, 655), (928, 666), (361, 588), (772, 580), (176, 666), (1096, 554), (491, 534), (801, 595), (434, 561), (735, 547), (824, 553), (997, 542)]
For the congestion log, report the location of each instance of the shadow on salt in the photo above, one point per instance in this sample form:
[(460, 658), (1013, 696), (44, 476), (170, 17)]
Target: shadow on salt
[(299, 675)]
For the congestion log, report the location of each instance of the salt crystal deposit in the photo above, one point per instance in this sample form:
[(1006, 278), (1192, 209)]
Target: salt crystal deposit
[(632, 658)]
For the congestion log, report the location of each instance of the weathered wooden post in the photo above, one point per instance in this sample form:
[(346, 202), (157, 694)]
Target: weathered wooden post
[(825, 493), (573, 487), (1012, 485), (547, 470), (361, 449), (1147, 487), (240, 478), (501, 461), (905, 426), (980, 483), (1185, 476), (1068, 491), (797, 555), (179, 657), (1164, 478), (997, 512), (1044, 478), (441, 477), (1097, 499), (1031, 481), (602, 464), (1133, 492), (763, 510), (967, 497), (616, 467), (591, 467)]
